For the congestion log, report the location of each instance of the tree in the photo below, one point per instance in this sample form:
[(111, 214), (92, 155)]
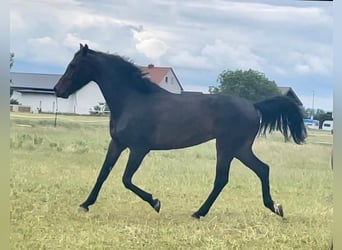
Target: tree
[(250, 84), (12, 101), (11, 59), (318, 114), (11, 64)]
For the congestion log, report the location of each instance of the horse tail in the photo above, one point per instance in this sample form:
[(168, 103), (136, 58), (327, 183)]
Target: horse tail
[(283, 114)]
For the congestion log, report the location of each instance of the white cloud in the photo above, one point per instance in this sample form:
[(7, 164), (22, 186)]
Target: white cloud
[(17, 22), (152, 48), (186, 60), (72, 41), (287, 39), (320, 102), (236, 55), (313, 62), (45, 47), (263, 12), (302, 68)]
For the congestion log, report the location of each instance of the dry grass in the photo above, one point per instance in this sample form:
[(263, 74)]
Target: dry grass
[(53, 170)]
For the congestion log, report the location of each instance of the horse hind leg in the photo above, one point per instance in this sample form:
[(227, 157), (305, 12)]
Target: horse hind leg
[(135, 158), (247, 157), (221, 179)]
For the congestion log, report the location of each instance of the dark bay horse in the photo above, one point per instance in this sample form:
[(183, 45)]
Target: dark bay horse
[(146, 117)]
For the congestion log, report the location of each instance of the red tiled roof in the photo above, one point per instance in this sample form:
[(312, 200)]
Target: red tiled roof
[(156, 74)]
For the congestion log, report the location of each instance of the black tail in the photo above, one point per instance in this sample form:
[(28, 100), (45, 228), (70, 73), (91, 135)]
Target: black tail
[(282, 113)]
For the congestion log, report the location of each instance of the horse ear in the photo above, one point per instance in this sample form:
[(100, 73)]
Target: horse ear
[(85, 49), (81, 46)]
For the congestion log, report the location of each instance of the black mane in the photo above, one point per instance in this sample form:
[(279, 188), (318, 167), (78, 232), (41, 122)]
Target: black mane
[(133, 76)]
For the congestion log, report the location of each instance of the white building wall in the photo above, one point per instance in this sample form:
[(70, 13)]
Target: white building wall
[(88, 97), (80, 103), (67, 105), (46, 103), (171, 84)]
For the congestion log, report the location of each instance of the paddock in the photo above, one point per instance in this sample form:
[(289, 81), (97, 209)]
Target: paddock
[(53, 168)]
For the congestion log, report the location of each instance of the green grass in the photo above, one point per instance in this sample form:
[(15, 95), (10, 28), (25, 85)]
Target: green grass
[(54, 169)]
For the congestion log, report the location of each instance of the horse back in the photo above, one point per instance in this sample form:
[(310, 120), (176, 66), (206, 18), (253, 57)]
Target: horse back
[(177, 121)]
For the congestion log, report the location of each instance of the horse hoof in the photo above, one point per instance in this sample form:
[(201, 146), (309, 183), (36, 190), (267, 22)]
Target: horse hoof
[(196, 216), (278, 209), (82, 209), (157, 205)]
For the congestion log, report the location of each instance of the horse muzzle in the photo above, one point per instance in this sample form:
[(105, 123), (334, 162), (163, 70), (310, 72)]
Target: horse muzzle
[(60, 92)]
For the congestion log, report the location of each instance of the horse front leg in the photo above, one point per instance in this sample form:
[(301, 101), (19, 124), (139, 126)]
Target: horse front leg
[(135, 158), (113, 153)]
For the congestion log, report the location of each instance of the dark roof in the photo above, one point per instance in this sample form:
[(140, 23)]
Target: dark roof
[(33, 81), (45, 92), (38, 81), (288, 91), (284, 90)]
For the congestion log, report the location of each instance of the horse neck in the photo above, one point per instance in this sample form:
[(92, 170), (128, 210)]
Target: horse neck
[(115, 97), (117, 94)]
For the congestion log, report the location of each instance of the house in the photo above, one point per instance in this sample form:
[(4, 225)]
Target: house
[(36, 91), (288, 91), (164, 77)]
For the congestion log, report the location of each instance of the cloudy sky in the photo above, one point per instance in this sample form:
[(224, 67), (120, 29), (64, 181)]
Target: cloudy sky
[(290, 41)]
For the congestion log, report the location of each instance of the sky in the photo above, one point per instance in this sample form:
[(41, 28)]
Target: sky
[(291, 42)]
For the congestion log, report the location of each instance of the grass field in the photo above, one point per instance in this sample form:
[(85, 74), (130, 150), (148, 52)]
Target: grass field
[(54, 169)]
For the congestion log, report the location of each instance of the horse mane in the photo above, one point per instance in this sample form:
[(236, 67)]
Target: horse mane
[(131, 75)]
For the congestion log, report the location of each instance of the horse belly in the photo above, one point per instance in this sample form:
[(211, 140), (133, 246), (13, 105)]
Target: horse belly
[(173, 136)]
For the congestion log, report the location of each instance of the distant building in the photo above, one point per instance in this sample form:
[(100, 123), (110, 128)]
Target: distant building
[(164, 77), (311, 123), (288, 91), (36, 91)]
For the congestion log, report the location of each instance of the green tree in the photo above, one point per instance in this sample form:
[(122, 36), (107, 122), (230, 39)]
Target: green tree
[(250, 84), (11, 64), (318, 114), (12, 101), (11, 59)]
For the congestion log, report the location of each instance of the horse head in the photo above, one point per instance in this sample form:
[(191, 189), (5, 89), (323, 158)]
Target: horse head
[(77, 74)]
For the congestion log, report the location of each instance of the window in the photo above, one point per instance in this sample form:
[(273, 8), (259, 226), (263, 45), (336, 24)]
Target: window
[(166, 79)]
